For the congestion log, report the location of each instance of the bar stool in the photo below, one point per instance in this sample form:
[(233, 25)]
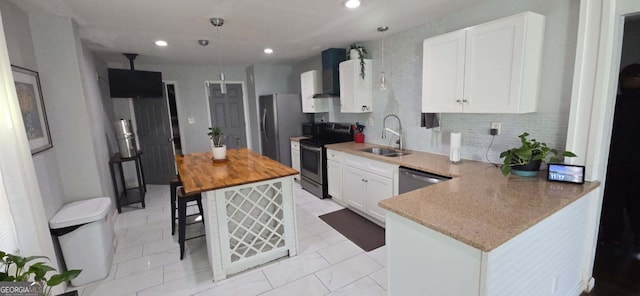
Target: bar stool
[(173, 185), (182, 200)]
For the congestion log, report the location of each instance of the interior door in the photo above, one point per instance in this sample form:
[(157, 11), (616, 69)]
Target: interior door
[(154, 133), (227, 112)]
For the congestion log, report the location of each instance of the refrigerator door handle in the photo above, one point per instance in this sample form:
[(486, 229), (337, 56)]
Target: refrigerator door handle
[(264, 125)]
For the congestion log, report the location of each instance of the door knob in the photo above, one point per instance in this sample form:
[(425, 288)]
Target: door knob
[(170, 139)]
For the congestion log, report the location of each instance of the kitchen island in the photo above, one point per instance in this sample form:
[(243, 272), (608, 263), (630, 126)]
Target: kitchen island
[(482, 233), (249, 211)]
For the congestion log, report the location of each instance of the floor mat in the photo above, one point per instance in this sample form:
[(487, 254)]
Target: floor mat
[(362, 232)]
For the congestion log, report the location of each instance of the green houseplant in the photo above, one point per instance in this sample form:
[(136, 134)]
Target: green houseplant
[(526, 159), (362, 54), (218, 148), (14, 268)]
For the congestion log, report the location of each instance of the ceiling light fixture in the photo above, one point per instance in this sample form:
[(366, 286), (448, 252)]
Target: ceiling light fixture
[(268, 50), (351, 4), (161, 43), (218, 22), (382, 83)]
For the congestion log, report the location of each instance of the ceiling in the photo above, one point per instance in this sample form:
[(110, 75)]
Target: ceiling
[(295, 29)]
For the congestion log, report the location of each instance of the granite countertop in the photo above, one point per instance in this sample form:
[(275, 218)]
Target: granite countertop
[(199, 173), (479, 206), (297, 139)]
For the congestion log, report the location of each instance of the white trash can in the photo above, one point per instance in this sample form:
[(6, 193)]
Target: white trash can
[(85, 233)]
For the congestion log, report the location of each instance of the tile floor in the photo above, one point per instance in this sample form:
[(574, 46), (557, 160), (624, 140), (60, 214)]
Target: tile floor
[(147, 261)]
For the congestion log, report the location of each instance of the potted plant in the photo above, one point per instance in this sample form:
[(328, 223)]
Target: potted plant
[(525, 160), (355, 52), (15, 270), (218, 147)]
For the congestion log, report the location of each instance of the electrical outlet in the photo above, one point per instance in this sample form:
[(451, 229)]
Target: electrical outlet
[(497, 125), (371, 121), (191, 120)]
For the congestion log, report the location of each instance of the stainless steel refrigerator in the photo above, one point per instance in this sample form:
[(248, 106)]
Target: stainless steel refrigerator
[(281, 117)]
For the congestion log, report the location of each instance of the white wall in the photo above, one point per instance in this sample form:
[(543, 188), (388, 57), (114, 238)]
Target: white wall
[(403, 59)]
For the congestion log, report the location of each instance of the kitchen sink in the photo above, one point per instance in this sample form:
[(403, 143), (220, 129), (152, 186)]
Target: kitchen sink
[(385, 152)]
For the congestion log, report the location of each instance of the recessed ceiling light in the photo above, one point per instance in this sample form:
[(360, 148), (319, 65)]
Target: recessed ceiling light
[(352, 4), (268, 50), (161, 43)]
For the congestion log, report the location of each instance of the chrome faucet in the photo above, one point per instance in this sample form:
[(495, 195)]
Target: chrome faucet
[(397, 133)]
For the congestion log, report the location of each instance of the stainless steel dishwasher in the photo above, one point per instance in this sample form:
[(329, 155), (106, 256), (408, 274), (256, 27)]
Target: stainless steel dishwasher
[(411, 179)]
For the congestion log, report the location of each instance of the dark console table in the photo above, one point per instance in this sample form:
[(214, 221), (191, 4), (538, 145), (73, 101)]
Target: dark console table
[(127, 196)]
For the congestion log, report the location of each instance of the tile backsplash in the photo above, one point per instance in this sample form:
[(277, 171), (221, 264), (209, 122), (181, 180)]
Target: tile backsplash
[(403, 68)]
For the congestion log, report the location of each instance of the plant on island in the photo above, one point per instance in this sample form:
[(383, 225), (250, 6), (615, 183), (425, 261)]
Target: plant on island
[(217, 136)]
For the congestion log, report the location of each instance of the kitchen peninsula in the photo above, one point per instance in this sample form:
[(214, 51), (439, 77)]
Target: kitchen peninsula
[(483, 234), (249, 211)]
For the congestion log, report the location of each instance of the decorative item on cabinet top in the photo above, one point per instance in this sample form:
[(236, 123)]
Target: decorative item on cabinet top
[(358, 52)]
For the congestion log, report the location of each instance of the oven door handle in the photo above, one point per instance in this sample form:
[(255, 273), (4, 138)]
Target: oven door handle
[(317, 149)]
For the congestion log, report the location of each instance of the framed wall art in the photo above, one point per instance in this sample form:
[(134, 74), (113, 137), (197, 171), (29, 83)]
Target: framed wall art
[(32, 108)]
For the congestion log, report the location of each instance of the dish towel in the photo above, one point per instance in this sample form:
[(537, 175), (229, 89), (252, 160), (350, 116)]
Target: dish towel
[(430, 120)]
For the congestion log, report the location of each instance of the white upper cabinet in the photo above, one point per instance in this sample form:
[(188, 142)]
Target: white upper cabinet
[(489, 68), (356, 93), (310, 85)]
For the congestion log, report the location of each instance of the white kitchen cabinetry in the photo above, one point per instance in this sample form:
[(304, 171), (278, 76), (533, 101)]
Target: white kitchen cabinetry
[(489, 68), (310, 85), (295, 158), (366, 182), (550, 255), (356, 93), (334, 175)]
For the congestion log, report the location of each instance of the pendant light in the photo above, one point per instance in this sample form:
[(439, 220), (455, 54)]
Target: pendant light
[(218, 22), (382, 83)]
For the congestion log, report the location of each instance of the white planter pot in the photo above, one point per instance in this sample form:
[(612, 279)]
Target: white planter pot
[(219, 152), (354, 54)]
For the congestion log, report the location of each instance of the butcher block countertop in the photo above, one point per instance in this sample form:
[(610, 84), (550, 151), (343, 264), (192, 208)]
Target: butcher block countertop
[(479, 206), (199, 173)]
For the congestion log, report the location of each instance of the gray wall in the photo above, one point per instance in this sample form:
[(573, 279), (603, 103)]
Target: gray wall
[(76, 112), (403, 67), (268, 79), (22, 54), (191, 98)]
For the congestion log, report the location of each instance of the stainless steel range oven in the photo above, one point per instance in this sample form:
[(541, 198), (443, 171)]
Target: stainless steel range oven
[(313, 155)]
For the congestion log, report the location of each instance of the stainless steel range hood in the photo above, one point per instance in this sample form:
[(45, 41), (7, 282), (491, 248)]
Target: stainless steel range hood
[(331, 59)]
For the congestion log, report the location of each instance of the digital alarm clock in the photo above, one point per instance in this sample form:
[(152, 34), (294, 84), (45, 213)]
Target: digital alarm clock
[(566, 173)]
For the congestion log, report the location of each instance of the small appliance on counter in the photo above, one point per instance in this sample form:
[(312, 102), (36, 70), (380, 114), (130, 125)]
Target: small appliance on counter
[(126, 139), (313, 154)]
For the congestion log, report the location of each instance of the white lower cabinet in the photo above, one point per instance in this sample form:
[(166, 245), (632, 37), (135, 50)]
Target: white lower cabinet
[(295, 158), (366, 182), (354, 192), (334, 175)]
